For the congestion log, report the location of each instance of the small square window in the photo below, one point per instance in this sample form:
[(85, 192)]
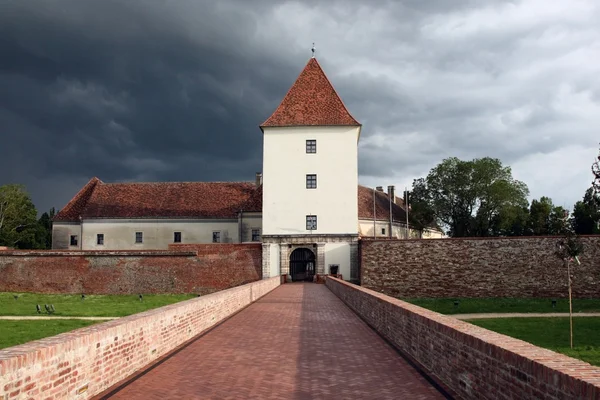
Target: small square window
[(311, 181), (100, 239), (311, 146), (217, 237), (139, 237), (311, 222), (73, 240), (177, 237), (383, 231), (256, 235)]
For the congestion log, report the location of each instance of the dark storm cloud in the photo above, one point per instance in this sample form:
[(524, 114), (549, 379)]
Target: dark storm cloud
[(175, 90), (132, 91)]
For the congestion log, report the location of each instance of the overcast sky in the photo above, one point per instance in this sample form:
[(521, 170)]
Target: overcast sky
[(131, 90)]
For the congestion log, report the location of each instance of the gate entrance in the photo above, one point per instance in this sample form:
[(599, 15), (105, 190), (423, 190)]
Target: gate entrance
[(302, 265)]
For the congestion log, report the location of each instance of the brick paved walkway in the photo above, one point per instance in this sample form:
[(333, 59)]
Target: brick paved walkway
[(298, 342)]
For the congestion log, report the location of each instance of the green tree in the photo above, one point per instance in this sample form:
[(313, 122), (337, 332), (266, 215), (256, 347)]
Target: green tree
[(469, 197), (44, 230), (539, 216), (18, 217), (586, 215), (558, 221), (512, 221)]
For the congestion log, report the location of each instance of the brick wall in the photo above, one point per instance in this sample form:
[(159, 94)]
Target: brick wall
[(189, 269), (477, 267), (471, 362), (84, 362)]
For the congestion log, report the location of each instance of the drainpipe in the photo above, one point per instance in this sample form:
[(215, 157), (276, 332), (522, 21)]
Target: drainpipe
[(80, 233), (241, 226), (391, 196), (374, 219)]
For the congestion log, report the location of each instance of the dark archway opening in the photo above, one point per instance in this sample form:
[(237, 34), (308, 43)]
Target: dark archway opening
[(302, 265)]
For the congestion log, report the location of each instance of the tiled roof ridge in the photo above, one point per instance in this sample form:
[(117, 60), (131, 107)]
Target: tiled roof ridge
[(280, 119), (76, 206), (174, 182)]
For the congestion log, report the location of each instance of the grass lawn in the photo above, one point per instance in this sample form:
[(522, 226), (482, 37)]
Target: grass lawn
[(13, 333), (505, 305), (552, 333), (91, 306)]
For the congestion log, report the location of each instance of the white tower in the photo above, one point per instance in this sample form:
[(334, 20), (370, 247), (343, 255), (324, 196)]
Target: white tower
[(310, 182)]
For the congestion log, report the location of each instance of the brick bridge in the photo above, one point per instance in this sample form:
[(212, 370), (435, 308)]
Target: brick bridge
[(265, 340)]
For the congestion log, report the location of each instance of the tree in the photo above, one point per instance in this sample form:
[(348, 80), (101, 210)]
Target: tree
[(44, 230), (469, 197), (569, 248), (586, 215), (596, 181), (421, 213), (17, 217), (539, 216)]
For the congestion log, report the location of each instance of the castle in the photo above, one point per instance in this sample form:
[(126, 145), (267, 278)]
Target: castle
[(306, 206)]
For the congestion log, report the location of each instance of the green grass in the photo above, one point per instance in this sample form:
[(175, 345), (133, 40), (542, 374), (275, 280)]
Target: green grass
[(552, 333), (13, 333), (505, 305), (91, 306)]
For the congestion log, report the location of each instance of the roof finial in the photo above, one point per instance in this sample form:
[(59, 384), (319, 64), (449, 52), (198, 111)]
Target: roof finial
[(313, 50)]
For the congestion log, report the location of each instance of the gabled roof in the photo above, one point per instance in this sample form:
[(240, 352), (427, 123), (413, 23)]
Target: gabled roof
[(311, 101), (382, 206), (75, 208), (161, 200)]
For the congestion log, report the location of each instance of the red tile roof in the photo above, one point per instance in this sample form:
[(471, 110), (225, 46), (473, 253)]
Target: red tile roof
[(75, 208), (311, 101), (382, 206), (192, 200), (162, 200)]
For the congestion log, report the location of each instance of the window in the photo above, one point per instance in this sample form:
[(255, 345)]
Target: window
[(383, 231), (100, 239), (311, 222), (177, 237), (139, 237), (311, 146), (73, 240), (256, 235), (216, 237), (311, 181)]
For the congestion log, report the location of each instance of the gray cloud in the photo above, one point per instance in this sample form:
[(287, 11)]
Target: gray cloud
[(149, 90)]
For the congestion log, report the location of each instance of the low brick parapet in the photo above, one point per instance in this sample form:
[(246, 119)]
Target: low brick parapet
[(469, 360), (84, 362)]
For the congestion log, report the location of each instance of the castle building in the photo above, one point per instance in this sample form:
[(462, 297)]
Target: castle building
[(306, 206)]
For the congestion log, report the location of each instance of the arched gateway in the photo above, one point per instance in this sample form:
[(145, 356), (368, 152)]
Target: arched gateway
[(302, 265)]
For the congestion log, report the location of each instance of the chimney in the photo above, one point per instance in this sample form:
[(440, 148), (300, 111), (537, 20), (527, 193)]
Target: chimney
[(258, 179), (379, 188), (391, 193)]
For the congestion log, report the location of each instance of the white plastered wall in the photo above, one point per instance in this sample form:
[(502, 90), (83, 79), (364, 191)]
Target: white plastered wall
[(287, 201), (61, 235), (157, 234), (274, 265), (339, 254)]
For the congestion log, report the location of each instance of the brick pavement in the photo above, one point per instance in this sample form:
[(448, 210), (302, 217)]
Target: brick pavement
[(298, 342)]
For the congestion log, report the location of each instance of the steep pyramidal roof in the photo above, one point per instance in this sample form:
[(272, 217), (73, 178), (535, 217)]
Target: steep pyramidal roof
[(311, 101)]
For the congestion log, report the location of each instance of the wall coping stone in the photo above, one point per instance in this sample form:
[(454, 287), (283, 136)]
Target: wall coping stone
[(96, 253), (102, 355), (553, 369)]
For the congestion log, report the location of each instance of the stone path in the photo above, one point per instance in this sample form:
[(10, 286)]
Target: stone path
[(298, 342), (521, 315), (36, 317)]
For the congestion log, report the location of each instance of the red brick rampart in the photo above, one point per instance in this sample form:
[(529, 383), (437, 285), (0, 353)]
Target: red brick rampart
[(477, 267), (470, 361), (184, 269), (85, 362)]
